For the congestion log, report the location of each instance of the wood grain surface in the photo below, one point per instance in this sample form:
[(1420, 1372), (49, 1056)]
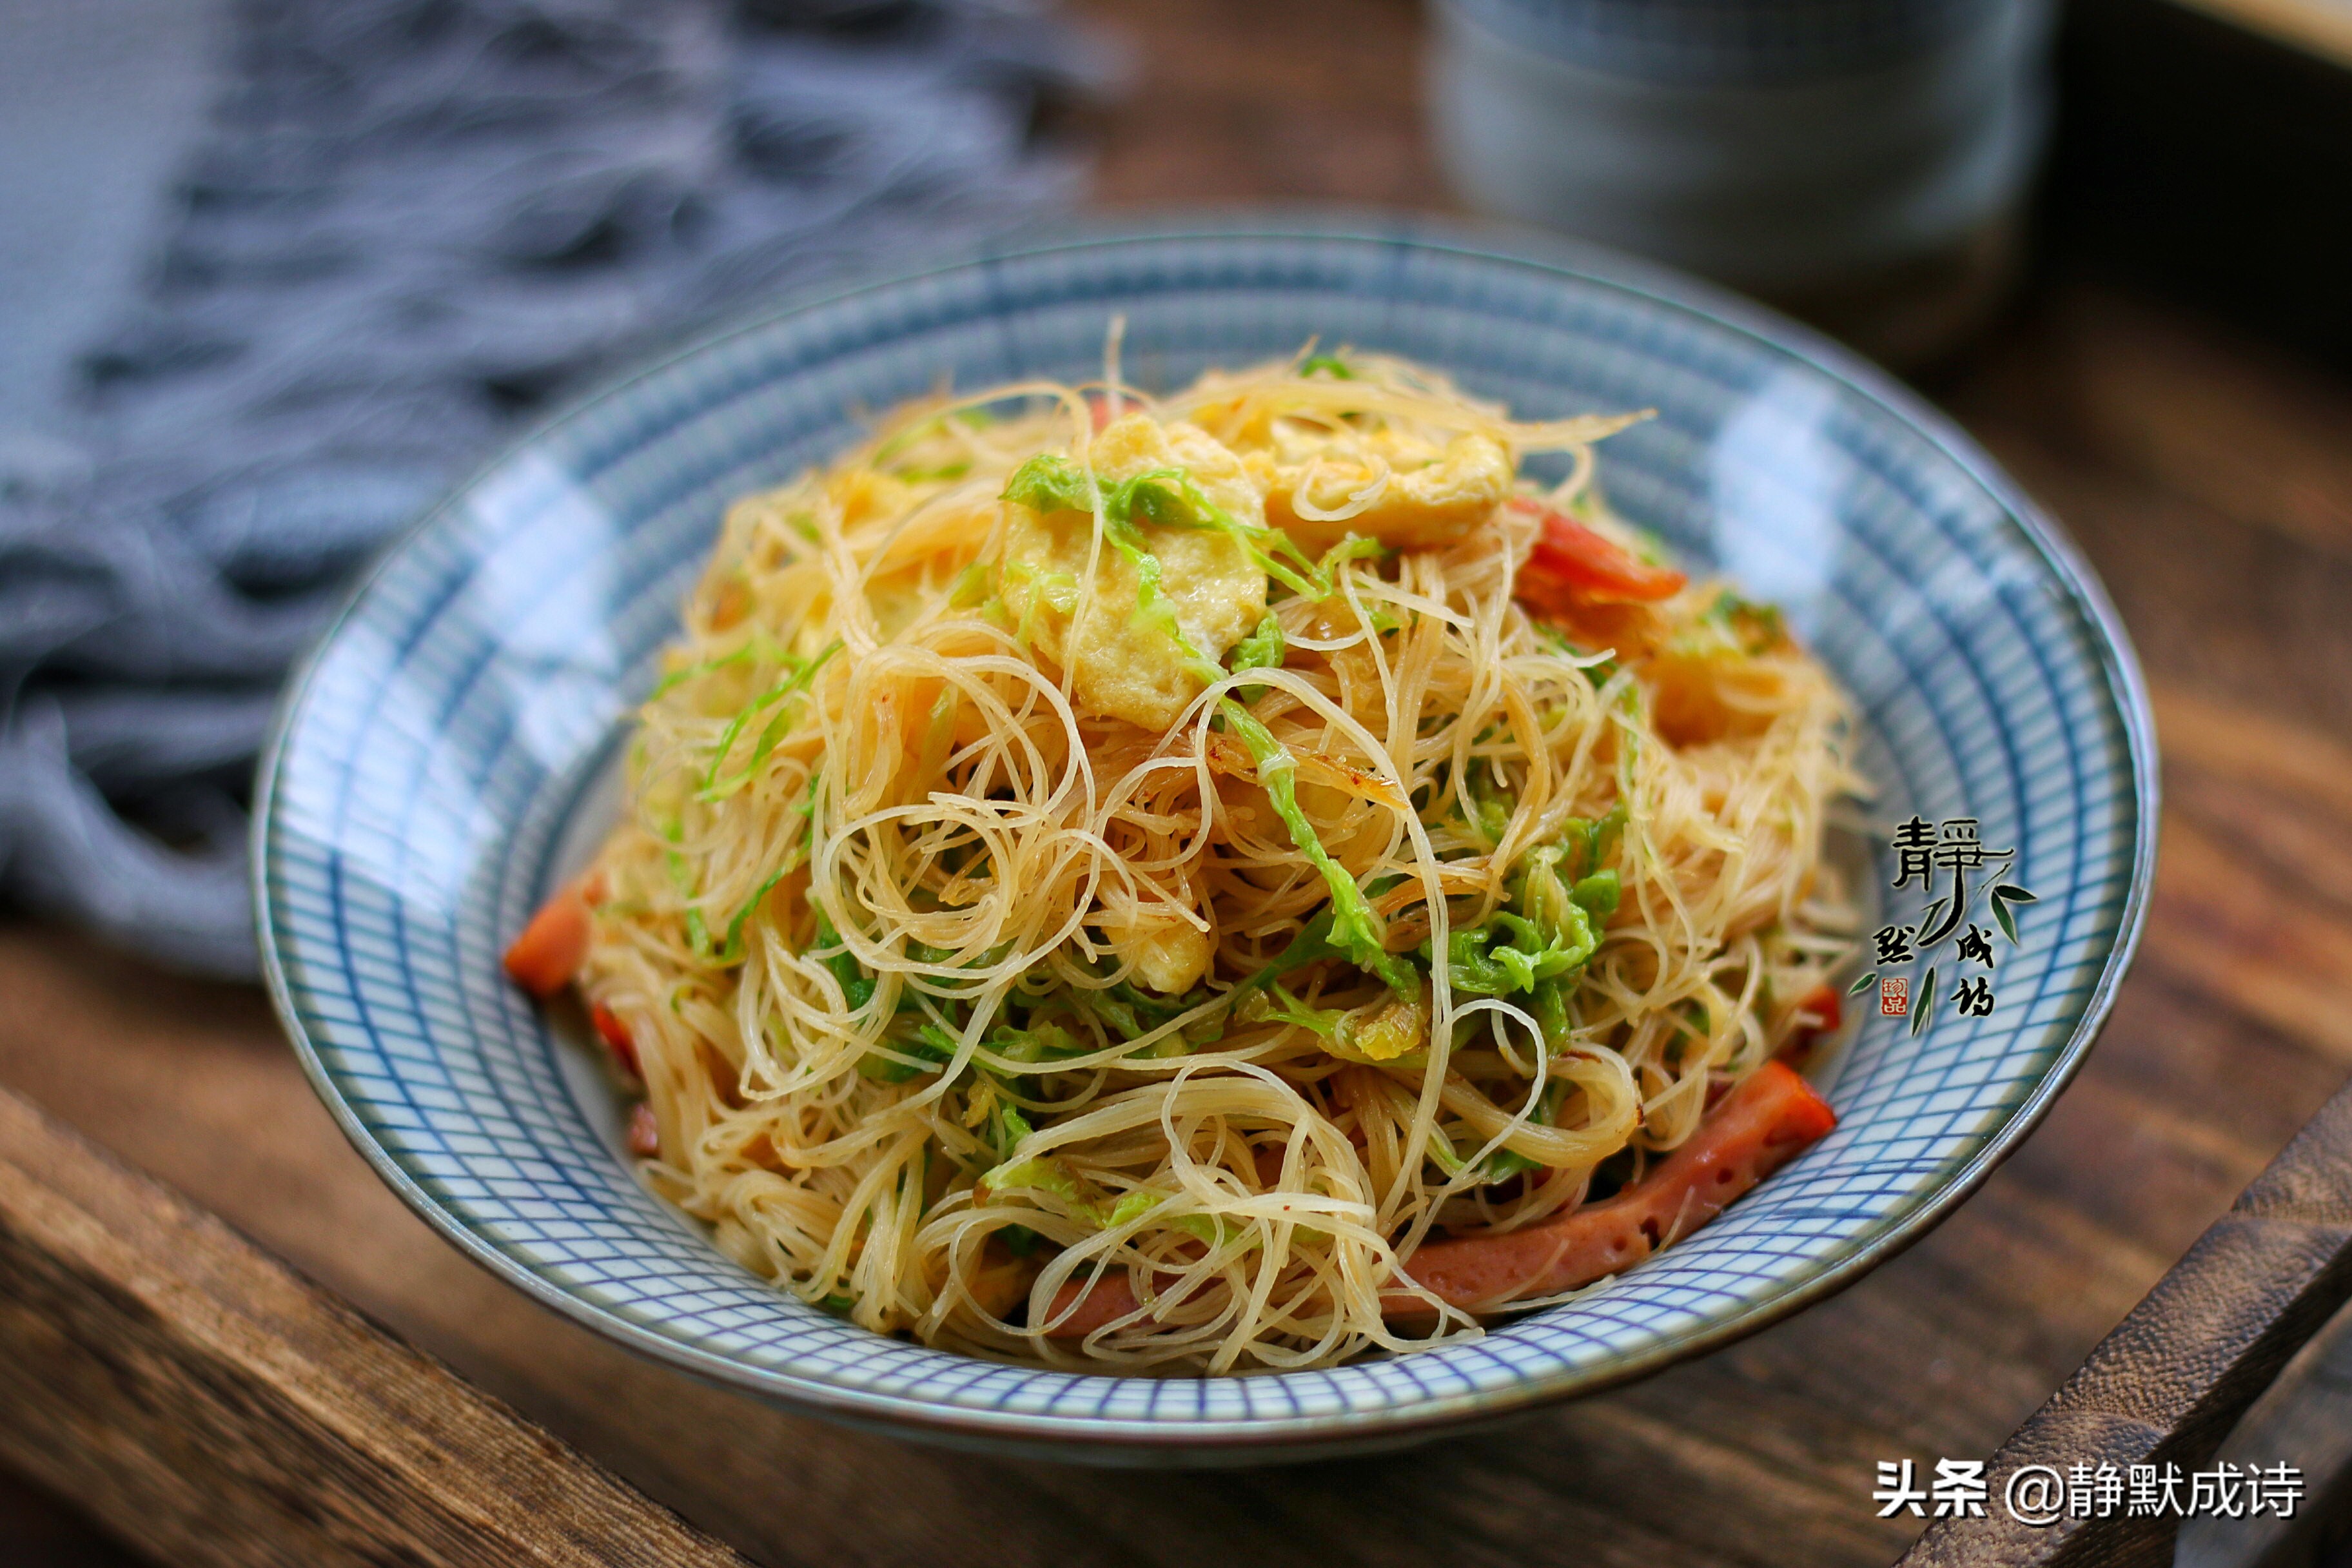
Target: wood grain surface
[(2207, 477), (217, 1408), (2178, 1374)]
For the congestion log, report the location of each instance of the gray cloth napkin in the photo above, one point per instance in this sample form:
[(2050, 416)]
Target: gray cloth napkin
[(413, 223)]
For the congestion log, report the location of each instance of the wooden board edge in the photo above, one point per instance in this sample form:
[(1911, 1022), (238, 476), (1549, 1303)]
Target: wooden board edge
[(208, 1405), (2322, 30)]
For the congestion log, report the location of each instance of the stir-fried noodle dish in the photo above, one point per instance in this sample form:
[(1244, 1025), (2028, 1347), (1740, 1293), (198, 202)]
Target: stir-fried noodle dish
[(1218, 882)]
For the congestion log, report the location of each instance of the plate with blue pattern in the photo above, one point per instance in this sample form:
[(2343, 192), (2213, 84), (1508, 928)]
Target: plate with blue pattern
[(442, 755)]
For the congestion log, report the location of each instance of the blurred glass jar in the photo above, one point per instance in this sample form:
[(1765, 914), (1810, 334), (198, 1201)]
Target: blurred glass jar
[(1863, 163)]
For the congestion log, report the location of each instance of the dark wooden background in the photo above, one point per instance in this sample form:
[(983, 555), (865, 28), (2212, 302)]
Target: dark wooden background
[(2151, 387)]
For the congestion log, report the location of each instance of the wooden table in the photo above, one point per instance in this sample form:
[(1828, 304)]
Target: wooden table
[(2209, 478)]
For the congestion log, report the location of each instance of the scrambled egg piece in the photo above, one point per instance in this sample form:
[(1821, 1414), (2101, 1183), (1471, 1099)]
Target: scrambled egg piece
[(1120, 663), (865, 494), (1171, 955), (1421, 496)]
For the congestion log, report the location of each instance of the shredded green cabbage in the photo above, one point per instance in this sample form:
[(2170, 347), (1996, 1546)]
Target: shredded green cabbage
[(1356, 930), (803, 671)]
